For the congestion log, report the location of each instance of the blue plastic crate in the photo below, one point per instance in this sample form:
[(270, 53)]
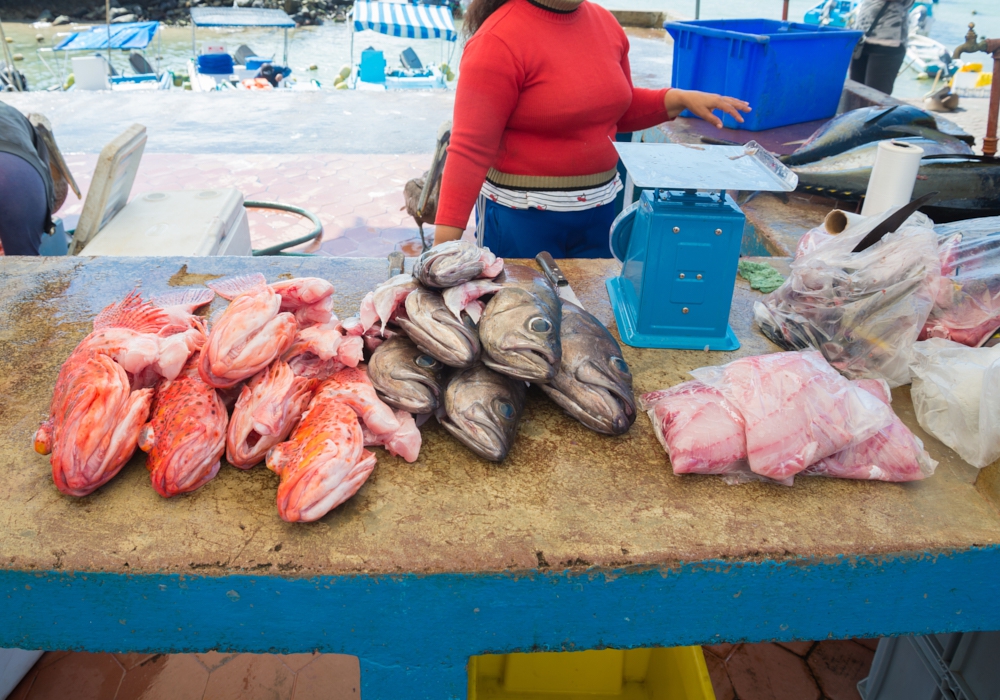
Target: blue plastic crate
[(788, 72)]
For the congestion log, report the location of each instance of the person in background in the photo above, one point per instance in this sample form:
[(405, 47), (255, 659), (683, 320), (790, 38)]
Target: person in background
[(544, 86), (29, 194), (880, 54)]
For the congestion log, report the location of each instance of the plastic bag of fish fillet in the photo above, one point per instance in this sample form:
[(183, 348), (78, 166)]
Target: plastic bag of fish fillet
[(967, 304), (796, 409), (863, 310), (892, 454), (701, 432), (956, 396)]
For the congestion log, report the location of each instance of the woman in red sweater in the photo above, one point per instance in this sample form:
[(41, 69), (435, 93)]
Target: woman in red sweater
[(544, 86)]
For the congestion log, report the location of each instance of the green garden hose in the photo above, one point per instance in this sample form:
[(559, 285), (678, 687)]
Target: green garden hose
[(279, 248)]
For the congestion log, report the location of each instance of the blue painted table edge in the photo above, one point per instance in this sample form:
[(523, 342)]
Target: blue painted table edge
[(414, 632)]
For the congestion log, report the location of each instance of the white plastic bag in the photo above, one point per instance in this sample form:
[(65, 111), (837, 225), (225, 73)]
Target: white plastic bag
[(797, 409), (956, 395), (864, 310)]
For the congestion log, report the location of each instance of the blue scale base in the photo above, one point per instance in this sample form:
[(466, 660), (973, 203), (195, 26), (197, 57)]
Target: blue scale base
[(630, 335)]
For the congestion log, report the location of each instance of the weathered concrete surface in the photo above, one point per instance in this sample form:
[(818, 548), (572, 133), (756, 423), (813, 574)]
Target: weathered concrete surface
[(565, 496)]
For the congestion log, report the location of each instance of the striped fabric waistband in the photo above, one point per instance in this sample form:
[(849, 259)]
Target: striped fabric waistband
[(539, 182)]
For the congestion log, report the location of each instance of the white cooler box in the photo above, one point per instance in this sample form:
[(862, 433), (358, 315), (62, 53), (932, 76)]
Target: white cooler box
[(185, 223)]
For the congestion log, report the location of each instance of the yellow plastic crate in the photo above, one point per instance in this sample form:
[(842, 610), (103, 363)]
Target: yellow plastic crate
[(677, 673)]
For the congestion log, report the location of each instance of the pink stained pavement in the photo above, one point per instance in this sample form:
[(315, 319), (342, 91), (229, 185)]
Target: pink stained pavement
[(359, 198)]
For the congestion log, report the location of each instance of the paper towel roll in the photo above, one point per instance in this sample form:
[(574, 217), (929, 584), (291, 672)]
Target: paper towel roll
[(893, 176), (838, 220)]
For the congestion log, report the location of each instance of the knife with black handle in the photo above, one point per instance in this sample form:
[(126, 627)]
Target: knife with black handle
[(892, 222), (557, 278)]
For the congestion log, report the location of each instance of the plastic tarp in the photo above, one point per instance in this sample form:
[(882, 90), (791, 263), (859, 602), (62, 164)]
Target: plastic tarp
[(411, 21), (128, 35), (240, 17)]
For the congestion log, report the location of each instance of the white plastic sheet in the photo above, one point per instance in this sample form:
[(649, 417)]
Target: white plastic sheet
[(956, 395)]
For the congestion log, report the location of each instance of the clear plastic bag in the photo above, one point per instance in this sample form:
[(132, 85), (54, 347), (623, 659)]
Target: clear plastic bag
[(892, 454), (864, 310), (810, 240), (956, 396), (967, 304), (796, 408), (700, 431)]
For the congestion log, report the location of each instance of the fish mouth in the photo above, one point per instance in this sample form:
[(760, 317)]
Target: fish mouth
[(610, 411), (415, 393), (527, 361), (482, 438)]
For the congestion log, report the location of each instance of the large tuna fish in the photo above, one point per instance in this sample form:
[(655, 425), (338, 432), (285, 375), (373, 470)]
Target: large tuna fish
[(857, 127)]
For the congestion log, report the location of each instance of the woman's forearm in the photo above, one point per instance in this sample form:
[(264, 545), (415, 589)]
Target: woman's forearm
[(443, 234)]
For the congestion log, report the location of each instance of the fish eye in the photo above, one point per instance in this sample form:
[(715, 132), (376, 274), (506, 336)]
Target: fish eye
[(426, 361), (619, 364), (504, 408), (539, 324)]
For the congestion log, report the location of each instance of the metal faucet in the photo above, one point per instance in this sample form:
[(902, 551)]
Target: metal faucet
[(971, 45), (991, 46)]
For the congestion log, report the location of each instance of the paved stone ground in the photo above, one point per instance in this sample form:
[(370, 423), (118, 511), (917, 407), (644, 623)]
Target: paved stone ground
[(828, 670), (358, 197)]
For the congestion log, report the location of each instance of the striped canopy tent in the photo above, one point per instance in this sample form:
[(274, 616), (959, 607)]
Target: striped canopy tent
[(414, 21)]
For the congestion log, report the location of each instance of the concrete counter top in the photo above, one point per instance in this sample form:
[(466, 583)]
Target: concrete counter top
[(566, 505)]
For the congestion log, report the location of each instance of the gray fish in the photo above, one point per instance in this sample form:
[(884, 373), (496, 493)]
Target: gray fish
[(454, 263), (970, 183), (482, 409), (406, 377), (857, 127), (593, 384), (864, 156), (436, 331), (519, 329)]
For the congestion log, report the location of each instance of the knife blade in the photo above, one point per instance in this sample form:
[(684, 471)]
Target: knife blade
[(893, 222), (557, 278)]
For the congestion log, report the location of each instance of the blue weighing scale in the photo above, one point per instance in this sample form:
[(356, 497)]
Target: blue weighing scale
[(679, 243)]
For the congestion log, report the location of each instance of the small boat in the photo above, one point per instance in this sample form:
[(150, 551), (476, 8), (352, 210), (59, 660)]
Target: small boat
[(215, 69), (95, 71), (928, 57), (415, 21), (832, 13)]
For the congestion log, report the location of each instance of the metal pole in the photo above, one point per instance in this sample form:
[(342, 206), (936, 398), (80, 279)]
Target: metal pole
[(14, 80), (697, 9), (784, 12), (990, 142), (285, 61), (107, 16)]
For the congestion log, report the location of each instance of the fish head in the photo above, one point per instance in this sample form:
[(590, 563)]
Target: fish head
[(449, 264), (405, 376), (604, 387), (520, 336), (594, 383), (482, 410), (434, 329)]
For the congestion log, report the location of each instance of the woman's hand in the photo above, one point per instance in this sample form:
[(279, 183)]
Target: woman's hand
[(442, 234), (702, 104)]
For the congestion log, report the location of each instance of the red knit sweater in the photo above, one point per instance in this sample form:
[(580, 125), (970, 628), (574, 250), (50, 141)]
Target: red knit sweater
[(541, 94)]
